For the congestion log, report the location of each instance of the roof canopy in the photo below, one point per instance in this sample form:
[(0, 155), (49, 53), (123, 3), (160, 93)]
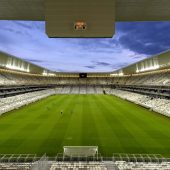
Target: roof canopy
[(10, 62), (98, 16), (157, 62)]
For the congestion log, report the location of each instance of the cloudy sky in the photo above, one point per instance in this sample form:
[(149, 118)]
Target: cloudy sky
[(131, 43)]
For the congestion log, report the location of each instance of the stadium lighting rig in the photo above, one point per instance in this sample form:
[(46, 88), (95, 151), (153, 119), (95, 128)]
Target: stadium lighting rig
[(84, 18)]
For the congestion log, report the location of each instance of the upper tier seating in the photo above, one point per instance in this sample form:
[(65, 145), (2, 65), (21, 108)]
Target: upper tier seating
[(154, 79)]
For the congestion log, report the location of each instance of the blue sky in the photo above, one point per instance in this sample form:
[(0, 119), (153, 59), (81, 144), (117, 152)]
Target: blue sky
[(132, 42)]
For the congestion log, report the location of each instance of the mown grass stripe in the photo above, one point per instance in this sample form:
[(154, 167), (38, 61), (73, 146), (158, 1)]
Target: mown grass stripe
[(113, 124)]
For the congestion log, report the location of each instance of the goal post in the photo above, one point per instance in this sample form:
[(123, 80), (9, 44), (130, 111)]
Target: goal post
[(83, 151)]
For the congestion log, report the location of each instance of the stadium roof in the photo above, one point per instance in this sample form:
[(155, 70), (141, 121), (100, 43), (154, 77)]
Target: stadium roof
[(157, 62), (89, 18), (11, 62)]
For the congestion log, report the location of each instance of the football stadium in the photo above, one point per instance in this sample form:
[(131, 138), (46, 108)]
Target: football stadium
[(121, 116), (117, 120)]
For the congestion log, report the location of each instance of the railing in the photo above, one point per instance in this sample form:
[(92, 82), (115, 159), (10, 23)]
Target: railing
[(32, 158), (139, 158), (18, 158)]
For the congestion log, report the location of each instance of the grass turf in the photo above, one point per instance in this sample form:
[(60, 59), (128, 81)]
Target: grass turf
[(115, 125)]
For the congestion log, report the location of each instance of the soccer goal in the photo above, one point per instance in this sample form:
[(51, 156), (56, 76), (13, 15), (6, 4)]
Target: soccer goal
[(83, 151)]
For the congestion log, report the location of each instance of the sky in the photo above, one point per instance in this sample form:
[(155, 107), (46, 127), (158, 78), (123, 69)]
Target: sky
[(132, 42)]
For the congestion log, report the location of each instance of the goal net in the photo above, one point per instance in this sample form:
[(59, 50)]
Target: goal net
[(83, 151)]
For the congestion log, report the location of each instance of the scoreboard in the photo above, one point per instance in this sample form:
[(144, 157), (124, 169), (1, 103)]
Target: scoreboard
[(82, 75)]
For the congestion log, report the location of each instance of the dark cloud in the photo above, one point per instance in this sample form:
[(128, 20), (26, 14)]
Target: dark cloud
[(24, 24), (140, 37), (14, 30), (22, 27), (31, 25), (145, 37), (112, 66), (61, 70), (91, 67), (102, 63), (35, 60)]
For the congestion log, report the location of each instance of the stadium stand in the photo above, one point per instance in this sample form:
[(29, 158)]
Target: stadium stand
[(45, 163), (14, 102), (123, 165), (159, 79), (14, 166), (80, 165), (157, 104), (139, 89)]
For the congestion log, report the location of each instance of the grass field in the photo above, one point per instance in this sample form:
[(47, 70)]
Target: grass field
[(115, 125)]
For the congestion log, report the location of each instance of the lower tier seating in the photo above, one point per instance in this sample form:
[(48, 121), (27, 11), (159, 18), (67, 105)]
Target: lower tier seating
[(118, 165), (14, 102), (154, 103)]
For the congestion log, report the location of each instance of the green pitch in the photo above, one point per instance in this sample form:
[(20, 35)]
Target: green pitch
[(115, 125)]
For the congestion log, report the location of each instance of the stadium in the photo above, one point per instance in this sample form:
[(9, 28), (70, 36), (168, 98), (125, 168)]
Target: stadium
[(117, 120), (125, 114)]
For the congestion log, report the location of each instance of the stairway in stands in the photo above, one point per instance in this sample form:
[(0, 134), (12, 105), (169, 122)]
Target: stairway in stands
[(111, 166)]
